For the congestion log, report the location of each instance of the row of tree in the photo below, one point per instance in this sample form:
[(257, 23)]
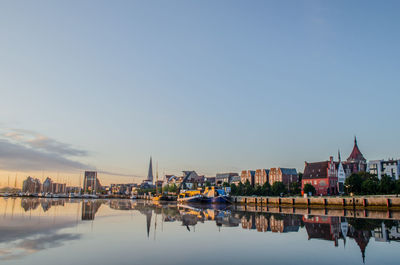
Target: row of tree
[(364, 183), (277, 189)]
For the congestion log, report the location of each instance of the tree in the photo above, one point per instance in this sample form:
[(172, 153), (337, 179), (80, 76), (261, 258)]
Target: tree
[(234, 189), (369, 186), (225, 184), (266, 189), (240, 190), (387, 185), (258, 190), (397, 187), (278, 188), (353, 183), (208, 184), (294, 188), (300, 176), (248, 189), (308, 188)]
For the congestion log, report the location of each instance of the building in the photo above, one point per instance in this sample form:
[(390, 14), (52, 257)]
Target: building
[(285, 175), (150, 174), (322, 175), (355, 162), (390, 167), (31, 185), (247, 175), (191, 180), (235, 180), (222, 178), (91, 183), (48, 186), (261, 176), (210, 180)]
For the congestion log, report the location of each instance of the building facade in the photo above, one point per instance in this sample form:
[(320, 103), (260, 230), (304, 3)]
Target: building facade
[(31, 185), (284, 175), (222, 178), (261, 176), (248, 175), (91, 183), (322, 175), (389, 167)]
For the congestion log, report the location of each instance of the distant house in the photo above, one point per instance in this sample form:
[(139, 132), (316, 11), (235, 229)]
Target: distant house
[(285, 175), (389, 167), (322, 175), (221, 178), (247, 175), (210, 180), (261, 176), (191, 179)]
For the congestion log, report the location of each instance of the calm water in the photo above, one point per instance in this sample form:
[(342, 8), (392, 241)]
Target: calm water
[(58, 231)]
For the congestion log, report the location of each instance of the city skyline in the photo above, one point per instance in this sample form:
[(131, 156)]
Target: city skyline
[(206, 86)]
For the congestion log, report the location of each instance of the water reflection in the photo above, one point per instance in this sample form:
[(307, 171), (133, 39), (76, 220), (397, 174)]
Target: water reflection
[(30, 225)]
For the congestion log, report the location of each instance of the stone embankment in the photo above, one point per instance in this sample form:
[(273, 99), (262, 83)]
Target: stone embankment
[(322, 202)]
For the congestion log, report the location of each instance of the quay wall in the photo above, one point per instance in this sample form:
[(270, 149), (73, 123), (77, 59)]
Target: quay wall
[(334, 202)]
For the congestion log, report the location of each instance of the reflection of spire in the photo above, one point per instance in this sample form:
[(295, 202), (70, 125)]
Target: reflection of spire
[(148, 221)]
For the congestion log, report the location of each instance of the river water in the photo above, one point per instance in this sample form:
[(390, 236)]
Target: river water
[(62, 231)]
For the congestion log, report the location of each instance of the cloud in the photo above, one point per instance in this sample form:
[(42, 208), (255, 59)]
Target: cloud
[(44, 143), (17, 157), (25, 150)]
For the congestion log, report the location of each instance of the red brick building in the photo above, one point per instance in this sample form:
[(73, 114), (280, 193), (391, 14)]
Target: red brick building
[(322, 175), (285, 175)]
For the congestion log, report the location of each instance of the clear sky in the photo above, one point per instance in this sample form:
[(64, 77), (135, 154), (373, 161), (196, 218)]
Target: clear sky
[(212, 86)]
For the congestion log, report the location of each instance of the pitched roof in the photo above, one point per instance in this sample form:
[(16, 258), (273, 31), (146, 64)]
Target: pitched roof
[(356, 154), (288, 171), (316, 170)]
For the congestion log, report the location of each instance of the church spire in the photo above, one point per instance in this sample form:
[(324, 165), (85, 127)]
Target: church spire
[(340, 160), (150, 174)]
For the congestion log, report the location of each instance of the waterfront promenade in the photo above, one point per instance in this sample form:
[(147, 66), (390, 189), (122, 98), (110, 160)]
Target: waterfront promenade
[(384, 201)]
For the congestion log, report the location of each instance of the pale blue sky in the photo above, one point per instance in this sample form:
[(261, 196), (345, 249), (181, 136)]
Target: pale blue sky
[(206, 85)]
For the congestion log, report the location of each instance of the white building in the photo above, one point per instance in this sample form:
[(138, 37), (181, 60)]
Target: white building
[(384, 167)]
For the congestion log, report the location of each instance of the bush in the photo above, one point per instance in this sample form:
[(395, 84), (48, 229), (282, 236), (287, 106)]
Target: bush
[(308, 188)]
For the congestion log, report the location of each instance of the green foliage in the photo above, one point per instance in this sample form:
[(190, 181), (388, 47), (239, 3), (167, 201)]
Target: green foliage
[(208, 184), (278, 188), (294, 188), (266, 189), (225, 184), (308, 188), (387, 185), (234, 189), (353, 184), (300, 176), (365, 183), (248, 189)]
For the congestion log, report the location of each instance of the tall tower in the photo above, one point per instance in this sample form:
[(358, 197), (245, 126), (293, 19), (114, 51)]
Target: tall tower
[(150, 174)]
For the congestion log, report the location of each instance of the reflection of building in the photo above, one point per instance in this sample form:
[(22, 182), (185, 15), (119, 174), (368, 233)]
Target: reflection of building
[(89, 209), (323, 227), (91, 183), (384, 167)]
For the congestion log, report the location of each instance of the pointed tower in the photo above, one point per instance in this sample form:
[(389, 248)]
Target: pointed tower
[(356, 156), (150, 174)]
